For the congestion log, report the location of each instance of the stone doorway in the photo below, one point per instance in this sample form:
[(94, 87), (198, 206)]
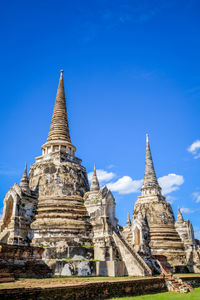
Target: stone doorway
[(137, 236), (8, 212)]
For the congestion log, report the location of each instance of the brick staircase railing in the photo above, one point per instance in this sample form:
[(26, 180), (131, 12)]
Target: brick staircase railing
[(3, 233), (148, 271)]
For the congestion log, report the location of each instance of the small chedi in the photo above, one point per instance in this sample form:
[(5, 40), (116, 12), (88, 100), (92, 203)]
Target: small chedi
[(55, 222)]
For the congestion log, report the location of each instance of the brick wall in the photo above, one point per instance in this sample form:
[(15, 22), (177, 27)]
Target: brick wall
[(92, 291)]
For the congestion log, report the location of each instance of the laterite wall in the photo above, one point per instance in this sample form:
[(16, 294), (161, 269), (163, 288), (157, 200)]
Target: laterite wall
[(92, 291)]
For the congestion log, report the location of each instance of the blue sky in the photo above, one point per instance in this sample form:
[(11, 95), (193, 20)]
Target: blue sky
[(130, 67)]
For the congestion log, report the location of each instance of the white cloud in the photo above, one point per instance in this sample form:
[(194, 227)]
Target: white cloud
[(170, 199), (170, 183), (102, 175), (196, 196), (186, 210), (195, 149), (125, 185), (110, 166)]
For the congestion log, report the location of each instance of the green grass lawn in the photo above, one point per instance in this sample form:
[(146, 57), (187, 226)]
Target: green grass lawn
[(195, 295)]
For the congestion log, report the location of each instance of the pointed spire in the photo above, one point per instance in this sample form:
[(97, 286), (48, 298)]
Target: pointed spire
[(150, 179), (59, 129), (180, 216), (25, 170), (128, 221), (94, 183), (24, 183)]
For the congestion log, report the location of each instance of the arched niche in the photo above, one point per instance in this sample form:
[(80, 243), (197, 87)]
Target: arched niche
[(137, 236), (110, 212), (8, 211)]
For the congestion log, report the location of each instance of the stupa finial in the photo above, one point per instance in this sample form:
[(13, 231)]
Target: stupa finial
[(150, 179), (94, 183), (59, 129), (24, 182)]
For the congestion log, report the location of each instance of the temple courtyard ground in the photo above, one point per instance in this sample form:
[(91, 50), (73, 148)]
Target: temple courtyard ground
[(82, 288), (70, 281), (59, 281)]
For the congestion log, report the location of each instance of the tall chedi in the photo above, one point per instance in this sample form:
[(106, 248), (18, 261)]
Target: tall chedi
[(153, 223), (61, 223)]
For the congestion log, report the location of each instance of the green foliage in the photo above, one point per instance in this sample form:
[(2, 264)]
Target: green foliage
[(83, 259), (87, 246), (117, 259), (95, 259), (95, 200), (46, 246), (68, 258)]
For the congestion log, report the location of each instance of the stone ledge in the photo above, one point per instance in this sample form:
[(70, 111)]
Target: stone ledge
[(54, 197)]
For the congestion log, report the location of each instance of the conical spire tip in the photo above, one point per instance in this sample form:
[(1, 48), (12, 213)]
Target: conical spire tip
[(61, 73), (150, 180), (128, 221), (25, 169), (24, 182), (59, 129), (94, 183), (180, 216)]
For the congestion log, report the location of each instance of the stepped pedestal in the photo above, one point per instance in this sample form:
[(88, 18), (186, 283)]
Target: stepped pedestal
[(162, 239), (62, 223)]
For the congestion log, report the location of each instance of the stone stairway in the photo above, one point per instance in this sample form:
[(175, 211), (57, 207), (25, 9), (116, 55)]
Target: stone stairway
[(134, 263), (176, 284)]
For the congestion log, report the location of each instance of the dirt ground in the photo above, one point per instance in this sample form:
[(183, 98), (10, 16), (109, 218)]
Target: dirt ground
[(66, 281), (59, 282)]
